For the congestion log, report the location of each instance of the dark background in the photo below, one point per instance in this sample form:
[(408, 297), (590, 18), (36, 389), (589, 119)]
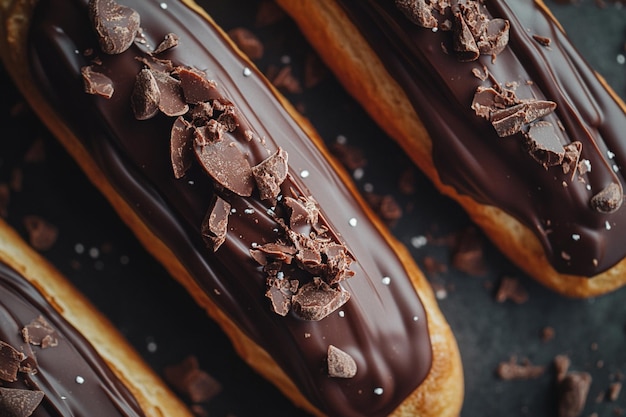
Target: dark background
[(100, 256)]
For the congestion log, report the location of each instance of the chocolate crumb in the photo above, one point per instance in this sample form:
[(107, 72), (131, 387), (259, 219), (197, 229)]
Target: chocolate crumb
[(96, 83), (115, 25), (467, 254), (351, 157), (614, 390), (340, 364), (572, 391), (270, 174), (188, 379), (512, 370), (418, 12), (511, 289), (543, 40), (316, 300), (39, 333), (248, 42), (19, 402), (146, 96), (608, 200), (10, 360), (215, 223), (284, 80), (169, 42), (547, 334), (42, 235)]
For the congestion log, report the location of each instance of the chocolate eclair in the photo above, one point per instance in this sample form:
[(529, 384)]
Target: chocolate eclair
[(58, 356), (491, 100), (236, 195)]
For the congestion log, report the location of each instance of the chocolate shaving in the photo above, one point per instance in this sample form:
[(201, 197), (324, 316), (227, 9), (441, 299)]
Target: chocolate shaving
[(512, 370), (170, 41), (39, 333), (96, 83), (247, 42), (270, 174), (19, 402), (608, 200), (316, 300), (340, 364), (281, 292), (115, 25), (273, 251), (10, 360), (543, 144), (196, 87), (543, 40), (181, 147), (215, 223), (171, 100), (418, 12), (146, 96), (188, 379)]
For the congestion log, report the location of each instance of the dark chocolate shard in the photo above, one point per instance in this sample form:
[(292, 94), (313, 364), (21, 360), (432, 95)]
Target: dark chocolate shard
[(274, 251), (10, 360), (270, 174), (316, 300), (418, 12), (224, 161), (572, 390), (340, 363), (96, 83), (508, 121), (115, 25), (181, 147), (172, 101), (281, 292), (215, 223), (608, 200), (464, 43), (146, 95), (170, 41), (494, 38), (39, 333), (536, 109), (544, 145), (197, 88), (19, 402)]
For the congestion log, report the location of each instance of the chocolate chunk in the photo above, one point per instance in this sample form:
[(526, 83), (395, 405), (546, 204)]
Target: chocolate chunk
[(39, 333), (215, 223), (512, 370), (247, 42), (170, 41), (115, 25), (281, 292), (41, 234), (146, 96), (224, 161), (511, 289), (171, 100), (10, 360), (508, 121), (316, 300), (340, 364), (181, 147), (464, 43), (572, 393), (211, 132), (228, 118), (96, 82), (571, 157), (274, 251), (544, 145), (196, 87), (270, 174), (608, 200), (284, 80), (191, 381), (337, 263), (303, 211), (19, 402), (535, 109), (418, 12), (494, 38)]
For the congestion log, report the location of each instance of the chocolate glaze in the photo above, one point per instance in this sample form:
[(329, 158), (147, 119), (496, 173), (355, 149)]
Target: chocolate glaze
[(383, 327), (470, 156), (101, 393)]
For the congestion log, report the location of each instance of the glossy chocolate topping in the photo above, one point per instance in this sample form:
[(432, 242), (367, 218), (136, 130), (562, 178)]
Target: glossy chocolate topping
[(382, 326), (74, 379), (539, 62)]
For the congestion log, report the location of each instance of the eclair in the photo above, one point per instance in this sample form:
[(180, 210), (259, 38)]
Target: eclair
[(60, 357), (235, 194), (491, 100)]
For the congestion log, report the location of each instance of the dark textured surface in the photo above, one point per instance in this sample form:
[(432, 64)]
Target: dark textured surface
[(96, 251)]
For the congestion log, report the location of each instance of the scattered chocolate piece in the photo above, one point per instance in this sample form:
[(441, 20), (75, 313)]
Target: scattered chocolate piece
[(39, 333), (512, 370), (543, 144), (351, 157), (614, 390), (247, 42), (340, 364), (284, 80), (572, 393), (171, 100), (547, 334), (169, 42), (316, 300), (543, 40), (281, 292), (42, 235), (418, 12), (10, 360), (188, 379), (115, 25), (302, 211), (96, 83), (146, 96), (270, 174), (181, 147), (571, 157), (511, 289), (19, 402), (608, 200), (215, 223), (5, 197), (494, 38), (467, 254), (197, 88), (464, 42)]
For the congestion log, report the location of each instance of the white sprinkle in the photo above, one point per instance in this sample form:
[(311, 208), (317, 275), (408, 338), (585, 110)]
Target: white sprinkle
[(280, 275), (607, 225), (80, 380), (358, 173), (341, 139), (124, 259), (342, 313), (587, 164), (386, 280), (378, 391), (191, 182), (254, 244), (419, 241), (270, 211), (79, 248), (588, 187), (94, 252), (441, 294), (247, 72), (76, 51), (368, 188), (63, 397), (415, 318), (233, 210), (249, 211), (304, 173), (152, 346), (435, 29), (285, 59), (615, 168), (353, 222), (621, 59), (610, 154), (164, 6), (576, 236)]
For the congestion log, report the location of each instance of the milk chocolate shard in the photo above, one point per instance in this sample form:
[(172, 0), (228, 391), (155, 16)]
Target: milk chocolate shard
[(115, 25), (340, 364)]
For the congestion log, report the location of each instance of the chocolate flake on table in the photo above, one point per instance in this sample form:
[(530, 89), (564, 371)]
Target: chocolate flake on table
[(284, 80), (316, 299), (146, 95), (386, 207), (511, 289), (513, 370), (10, 360), (169, 42), (115, 25), (609, 199), (39, 333), (467, 253), (614, 390), (248, 42), (215, 224), (270, 174), (19, 402), (42, 235), (573, 390), (188, 379), (96, 82), (340, 364)]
